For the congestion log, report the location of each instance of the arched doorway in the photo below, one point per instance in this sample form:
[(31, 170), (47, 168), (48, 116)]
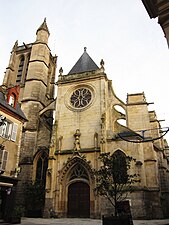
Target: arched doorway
[(79, 200)]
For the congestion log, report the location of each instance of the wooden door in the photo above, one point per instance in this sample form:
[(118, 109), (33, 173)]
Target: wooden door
[(79, 200)]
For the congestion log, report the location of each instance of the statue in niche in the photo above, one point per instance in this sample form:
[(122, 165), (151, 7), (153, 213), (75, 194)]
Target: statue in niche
[(49, 179), (103, 118), (77, 140), (96, 140), (60, 143)]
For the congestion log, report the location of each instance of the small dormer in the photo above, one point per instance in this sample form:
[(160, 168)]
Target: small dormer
[(12, 96), (12, 100)]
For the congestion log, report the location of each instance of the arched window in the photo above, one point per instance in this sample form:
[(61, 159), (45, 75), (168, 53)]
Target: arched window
[(28, 58), (41, 167), (119, 167), (20, 70)]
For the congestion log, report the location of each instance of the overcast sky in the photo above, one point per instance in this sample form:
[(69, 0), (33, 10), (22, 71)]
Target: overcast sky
[(119, 32)]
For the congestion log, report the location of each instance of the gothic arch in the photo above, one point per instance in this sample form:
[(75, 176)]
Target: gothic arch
[(20, 69), (76, 173), (64, 173), (27, 58), (40, 165), (22, 57), (119, 164), (119, 151)]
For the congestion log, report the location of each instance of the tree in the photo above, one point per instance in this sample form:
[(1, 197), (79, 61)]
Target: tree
[(113, 180), (34, 197)]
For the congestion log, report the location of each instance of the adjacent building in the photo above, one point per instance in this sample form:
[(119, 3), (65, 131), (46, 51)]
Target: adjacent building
[(12, 120), (159, 9)]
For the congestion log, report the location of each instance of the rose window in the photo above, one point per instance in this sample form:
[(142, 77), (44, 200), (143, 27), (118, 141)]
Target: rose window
[(80, 97)]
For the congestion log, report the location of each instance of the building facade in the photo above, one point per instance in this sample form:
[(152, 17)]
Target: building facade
[(87, 123), (159, 9), (12, 120)]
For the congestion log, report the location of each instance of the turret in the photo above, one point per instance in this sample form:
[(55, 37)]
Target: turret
[(42, 33), (38, 80)]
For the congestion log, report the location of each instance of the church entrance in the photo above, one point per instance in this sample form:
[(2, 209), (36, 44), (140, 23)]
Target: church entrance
[(79, 200)]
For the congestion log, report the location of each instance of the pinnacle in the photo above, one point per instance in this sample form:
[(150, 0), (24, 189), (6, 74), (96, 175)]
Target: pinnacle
[(43, 26)]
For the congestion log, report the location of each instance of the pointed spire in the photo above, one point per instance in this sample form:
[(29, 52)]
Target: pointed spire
[(15, 45), (84, 64), (43, 26)]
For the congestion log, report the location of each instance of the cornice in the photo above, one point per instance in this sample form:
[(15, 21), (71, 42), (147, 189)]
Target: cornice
[(151, 7), (80, 77)]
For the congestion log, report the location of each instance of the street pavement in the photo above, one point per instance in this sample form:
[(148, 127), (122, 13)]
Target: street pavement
[(70, 221)]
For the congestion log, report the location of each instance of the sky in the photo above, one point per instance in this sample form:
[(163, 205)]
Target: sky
[(121, 33)]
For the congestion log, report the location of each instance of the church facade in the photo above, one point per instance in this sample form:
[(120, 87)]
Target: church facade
[(86, 124)]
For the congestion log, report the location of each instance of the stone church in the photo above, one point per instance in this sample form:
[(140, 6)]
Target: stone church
[(87, 122)]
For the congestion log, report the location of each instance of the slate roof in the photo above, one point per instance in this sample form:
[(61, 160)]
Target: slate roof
[(16, 110), (130, 134), (84, 64)]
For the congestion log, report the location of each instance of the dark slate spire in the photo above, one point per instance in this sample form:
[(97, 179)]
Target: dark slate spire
[(84, 64), (43, 26)]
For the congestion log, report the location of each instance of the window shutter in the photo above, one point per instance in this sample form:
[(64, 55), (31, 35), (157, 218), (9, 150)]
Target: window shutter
[(3, 159), (9, 131), (14, 132), (1, 153), (1, 128)]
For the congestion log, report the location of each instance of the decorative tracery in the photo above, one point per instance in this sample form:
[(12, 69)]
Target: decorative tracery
[(80, 98), (72, 163), (78, 172)]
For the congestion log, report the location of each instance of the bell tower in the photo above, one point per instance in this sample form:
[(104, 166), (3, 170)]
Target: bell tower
[(32, 68)]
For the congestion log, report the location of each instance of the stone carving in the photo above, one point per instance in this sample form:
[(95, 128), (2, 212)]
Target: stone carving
[(60, 77), (49, 179), (96, 140), (15, 46), (77, 146), (102, 138), (60, 143)]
